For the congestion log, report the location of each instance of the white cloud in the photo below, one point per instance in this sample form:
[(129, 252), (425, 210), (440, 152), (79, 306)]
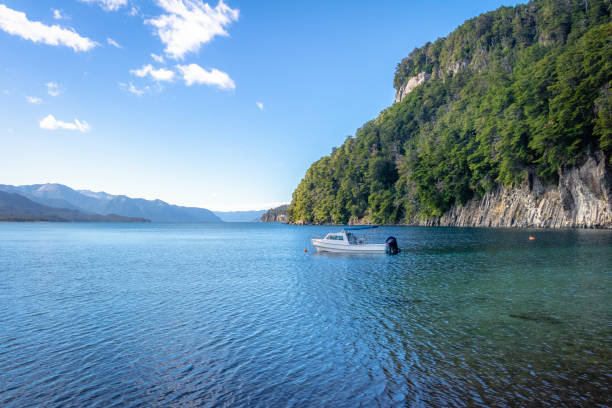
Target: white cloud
[(259, 105), (157, 58), (160, 74), (110, 5), (50, 123), (34, 100), (191, 23), (112, 42), (57, 14), (133, 11), (132, 89), (53, 88), (17, 23), (195, 74)]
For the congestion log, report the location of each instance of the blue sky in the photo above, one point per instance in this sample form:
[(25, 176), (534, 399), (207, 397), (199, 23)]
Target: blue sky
[(247, 96)]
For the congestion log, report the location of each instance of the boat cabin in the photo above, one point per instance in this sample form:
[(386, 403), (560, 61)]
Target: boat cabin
[(344, 237)]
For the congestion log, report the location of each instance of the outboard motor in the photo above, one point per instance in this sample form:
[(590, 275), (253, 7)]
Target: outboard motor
[(391, 246)]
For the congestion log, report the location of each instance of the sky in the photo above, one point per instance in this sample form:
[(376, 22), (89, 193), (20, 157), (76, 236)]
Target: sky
[(221, 105)]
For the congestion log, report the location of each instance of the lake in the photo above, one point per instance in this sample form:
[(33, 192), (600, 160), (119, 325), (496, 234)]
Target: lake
[(239, 315)]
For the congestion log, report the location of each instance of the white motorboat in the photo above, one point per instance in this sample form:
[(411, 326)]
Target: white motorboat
[(346, 241)]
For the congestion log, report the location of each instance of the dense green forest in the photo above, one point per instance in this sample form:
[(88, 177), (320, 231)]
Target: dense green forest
[(519, 90)]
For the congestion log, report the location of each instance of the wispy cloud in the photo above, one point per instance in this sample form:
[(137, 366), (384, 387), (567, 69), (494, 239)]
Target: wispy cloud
[(157, 58), (17, 23), (195, 74), (34, 100), (110, 5), (54, 89), (259, 105), (130, 88), (133, 11), (57, 14), (160, 74), (112, 42), (191, 23), (50, 123)]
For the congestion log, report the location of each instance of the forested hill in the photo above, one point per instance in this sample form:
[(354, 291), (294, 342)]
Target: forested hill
[(278, 214), (512, 94)]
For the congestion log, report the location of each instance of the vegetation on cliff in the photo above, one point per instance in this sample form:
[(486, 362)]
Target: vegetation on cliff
[(278, 214), (513, 92)]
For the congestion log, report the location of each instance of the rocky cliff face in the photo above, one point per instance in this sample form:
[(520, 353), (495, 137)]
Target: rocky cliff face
[(412, 83), (278, 214), (582, 198)]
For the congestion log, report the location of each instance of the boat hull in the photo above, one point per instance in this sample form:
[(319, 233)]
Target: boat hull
[(324, 246)]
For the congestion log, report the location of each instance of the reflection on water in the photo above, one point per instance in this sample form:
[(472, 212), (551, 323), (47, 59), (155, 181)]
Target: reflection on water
[(239, 315)]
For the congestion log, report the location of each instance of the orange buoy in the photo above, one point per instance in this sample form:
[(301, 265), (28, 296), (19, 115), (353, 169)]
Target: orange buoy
[(305, 250), (531, 238)]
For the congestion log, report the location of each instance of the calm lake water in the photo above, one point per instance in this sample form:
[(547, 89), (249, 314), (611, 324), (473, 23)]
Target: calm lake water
[(238, 315)]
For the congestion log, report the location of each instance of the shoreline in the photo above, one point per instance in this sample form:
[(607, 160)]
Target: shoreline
[(602, 228)]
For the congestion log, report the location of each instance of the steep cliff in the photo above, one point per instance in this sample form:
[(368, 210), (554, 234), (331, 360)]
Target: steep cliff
[(582, 198), (412, 82), (278, 214)]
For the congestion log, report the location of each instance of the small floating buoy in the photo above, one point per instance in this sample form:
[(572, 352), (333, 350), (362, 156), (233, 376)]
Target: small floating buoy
[(532, 238), (305, 250)]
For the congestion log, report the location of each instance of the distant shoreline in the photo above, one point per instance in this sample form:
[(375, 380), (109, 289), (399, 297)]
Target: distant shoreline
[(603, 228)]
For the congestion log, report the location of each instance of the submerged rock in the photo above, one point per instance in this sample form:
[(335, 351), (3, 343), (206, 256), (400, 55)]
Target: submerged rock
[(536, 317)]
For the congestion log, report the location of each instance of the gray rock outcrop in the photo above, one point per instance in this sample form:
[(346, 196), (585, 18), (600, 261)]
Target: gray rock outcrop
[(278, 214), (412, 83), (582, 198)]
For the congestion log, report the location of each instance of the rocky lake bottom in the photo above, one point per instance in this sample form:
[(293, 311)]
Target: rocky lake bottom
[(239, 315)]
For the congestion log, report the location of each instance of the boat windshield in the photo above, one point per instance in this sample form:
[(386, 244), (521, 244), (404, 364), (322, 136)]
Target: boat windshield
[(335, 237), (351, 238)]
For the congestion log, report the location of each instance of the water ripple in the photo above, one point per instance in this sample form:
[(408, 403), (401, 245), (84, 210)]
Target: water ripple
[(238, 315)]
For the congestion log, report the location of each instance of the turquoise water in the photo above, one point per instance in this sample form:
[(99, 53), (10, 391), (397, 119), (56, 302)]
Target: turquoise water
[(238, 315)]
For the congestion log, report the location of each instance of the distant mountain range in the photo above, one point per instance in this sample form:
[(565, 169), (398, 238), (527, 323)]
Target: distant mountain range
[(240, 216), (91, 203), (15, 207)]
